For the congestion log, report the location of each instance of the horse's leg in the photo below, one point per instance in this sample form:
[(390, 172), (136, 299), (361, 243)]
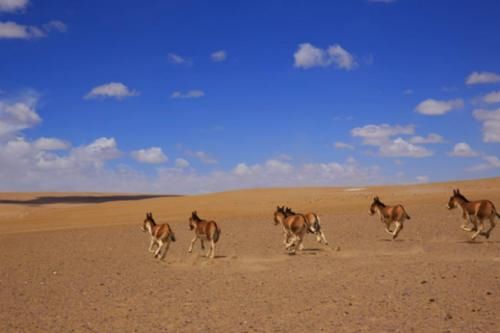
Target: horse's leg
[(480, 227), (158, 250), (202, 244), (192, 244), (399, 227), (388, 228), (212, 247), (167, 245), (492, 226), (151, 244), (291, 242)]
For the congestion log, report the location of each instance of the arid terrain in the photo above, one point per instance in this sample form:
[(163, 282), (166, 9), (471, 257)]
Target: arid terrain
[(78, 262)]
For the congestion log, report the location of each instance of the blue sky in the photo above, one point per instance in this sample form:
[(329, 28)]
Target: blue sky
[(195, 96)]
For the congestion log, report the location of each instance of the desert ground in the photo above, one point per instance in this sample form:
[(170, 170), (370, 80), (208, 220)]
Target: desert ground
[(78, 262)]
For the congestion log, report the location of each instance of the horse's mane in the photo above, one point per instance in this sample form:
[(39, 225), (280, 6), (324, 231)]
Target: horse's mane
[(379, 202), (289, 211), (461, 196)]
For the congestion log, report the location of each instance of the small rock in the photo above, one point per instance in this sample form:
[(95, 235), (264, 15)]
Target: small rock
[(448, 317), (431, 300), (488, 293), (423, 282)]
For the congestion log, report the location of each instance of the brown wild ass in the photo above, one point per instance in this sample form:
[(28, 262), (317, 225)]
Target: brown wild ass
[(312, 220), (161, 235), (388, 215), (205, 231), (475, 212), (295, 227)]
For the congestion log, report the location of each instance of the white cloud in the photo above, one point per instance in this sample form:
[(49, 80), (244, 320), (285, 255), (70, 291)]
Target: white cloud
[(189, 94), (111, 90), (204, 157), (462, 149), (431, 138), (51, 144), (422, 179), (382, 137), (12, 30), (181, 163), (18, 114), (491, 124), (432, 107), (343, 145), (218, 56), (340, 57), (379, 134), (482, 78), (402, 148), (308, 56), (10, 6), (491, 162), (492, 97), (153, 155), (177, 59)]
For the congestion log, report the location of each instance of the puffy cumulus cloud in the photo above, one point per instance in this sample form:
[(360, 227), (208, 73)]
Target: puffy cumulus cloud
[(13, 30), (492, 97), (309, 56), (18, 114), (462, 149), (51, 144), (34, 165), (181, 163), (432, 107), (376, 135), (153, 155), (188, 94), (402, 148), (383, 135), (10, 6), (111, 90), (482, 78), (431, 138), (491, 124), (218, 56)]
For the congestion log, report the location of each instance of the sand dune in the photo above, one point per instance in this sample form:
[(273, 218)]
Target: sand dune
[(79, 263)]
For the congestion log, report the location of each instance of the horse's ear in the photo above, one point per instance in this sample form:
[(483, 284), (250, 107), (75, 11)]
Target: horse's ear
[(454, 191), (458, 191)]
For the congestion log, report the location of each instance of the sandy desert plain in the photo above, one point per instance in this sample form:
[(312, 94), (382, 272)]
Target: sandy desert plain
[(78, 262)]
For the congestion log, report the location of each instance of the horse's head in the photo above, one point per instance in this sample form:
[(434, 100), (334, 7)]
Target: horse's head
[(148, 221), (279, 214), (455, 199), (376, 202), (193, 220)]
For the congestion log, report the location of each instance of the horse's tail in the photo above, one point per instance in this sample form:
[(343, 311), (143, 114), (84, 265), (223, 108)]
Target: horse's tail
[(406, 214), (217, 233), (172, 235)]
